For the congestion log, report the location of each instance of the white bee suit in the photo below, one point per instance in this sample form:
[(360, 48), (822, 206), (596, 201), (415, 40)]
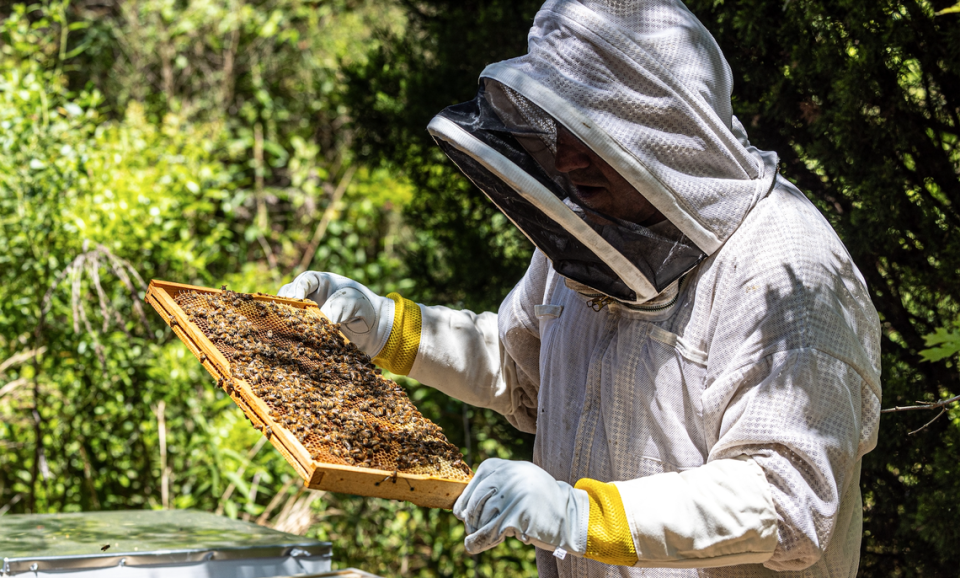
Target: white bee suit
[(731, 395)]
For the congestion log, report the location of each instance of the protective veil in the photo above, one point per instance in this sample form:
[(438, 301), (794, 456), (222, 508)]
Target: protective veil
[(645, 87), (731, 417)]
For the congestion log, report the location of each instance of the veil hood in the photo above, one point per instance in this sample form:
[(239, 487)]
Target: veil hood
[(646, 87)]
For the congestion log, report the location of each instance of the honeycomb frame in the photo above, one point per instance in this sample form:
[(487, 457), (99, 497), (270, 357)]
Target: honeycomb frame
[(423, 490)]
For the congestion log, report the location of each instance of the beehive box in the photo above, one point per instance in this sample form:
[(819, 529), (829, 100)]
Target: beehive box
[(322, 404)]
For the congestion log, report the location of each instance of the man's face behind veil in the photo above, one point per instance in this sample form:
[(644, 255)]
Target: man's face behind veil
[(598, 186)]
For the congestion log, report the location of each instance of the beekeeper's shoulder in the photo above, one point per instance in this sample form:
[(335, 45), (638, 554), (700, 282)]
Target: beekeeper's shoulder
[(785, 234)]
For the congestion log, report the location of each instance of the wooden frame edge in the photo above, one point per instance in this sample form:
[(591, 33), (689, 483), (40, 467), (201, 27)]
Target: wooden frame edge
[(423, 490)]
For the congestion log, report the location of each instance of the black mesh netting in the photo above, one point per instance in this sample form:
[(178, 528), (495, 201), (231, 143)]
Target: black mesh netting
[(661, 257)]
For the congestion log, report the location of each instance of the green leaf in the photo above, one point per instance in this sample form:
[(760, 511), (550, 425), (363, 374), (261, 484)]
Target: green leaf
[(941, 344), (952, 9)]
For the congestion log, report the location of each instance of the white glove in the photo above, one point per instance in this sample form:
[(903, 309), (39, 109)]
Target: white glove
[(364, 317), (519, 499)]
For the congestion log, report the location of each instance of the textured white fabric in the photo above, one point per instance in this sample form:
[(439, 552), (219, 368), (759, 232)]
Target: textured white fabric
[(645, 86), (770, 351), (518, 499), (674, 516), (460, 355), (365, 317)]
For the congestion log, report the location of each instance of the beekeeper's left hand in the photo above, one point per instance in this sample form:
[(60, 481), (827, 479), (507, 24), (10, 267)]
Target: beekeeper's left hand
[(519, 499)]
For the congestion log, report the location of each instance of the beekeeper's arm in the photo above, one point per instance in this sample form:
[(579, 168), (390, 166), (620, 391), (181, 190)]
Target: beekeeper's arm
[(459, 353), (769, 494)]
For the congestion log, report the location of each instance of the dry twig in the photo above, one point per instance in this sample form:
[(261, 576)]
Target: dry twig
[(8, 388), (19, 358), (924, 426), (164, 470), (297, 515), (264, 518), (942, 405), (923, 405), (10, 504), (325, 220), (230, 488)]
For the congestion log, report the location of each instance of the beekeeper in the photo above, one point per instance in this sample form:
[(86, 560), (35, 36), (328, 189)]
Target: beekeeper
[(692, 343)]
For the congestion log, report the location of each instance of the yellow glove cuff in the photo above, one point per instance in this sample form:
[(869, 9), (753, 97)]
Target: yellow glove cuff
[(608, 537), (401, 349)]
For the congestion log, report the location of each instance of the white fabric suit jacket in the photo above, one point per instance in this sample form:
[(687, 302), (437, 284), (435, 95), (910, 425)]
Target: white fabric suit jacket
[(768, 349), (766, 353)]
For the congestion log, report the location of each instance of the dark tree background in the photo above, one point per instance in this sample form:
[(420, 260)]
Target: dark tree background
[(861, 99)]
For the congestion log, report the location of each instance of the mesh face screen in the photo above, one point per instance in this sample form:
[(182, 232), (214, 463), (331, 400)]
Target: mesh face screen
[(522, 133), (319, 387)]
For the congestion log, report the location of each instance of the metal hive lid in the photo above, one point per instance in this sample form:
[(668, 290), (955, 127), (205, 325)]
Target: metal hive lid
[(140, 538)]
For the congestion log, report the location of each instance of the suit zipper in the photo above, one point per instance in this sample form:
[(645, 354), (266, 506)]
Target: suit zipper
[(598, 301)]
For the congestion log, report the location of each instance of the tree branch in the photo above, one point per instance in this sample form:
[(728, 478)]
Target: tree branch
[(924, 426), (328, 214), (20, 358), (923, 405)]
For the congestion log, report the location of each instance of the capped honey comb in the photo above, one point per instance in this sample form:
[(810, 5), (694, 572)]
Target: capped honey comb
[(315, 395)]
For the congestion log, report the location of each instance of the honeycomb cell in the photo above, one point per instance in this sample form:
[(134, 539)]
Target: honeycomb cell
[(320, 387)]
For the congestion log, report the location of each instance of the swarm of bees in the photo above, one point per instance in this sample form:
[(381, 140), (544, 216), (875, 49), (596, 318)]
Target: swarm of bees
[(319, 387)]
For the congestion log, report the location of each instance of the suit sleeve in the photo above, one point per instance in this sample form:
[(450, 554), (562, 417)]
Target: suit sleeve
[(487, 360), (790, 405)]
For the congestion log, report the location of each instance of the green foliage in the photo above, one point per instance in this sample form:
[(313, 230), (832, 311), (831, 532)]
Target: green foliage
[(467, 253), (941, 344), (130, 150), (88, 208), (950, 10), (230, 142)]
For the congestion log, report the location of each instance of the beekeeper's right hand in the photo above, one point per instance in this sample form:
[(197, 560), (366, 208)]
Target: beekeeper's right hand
[(365, 318)]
